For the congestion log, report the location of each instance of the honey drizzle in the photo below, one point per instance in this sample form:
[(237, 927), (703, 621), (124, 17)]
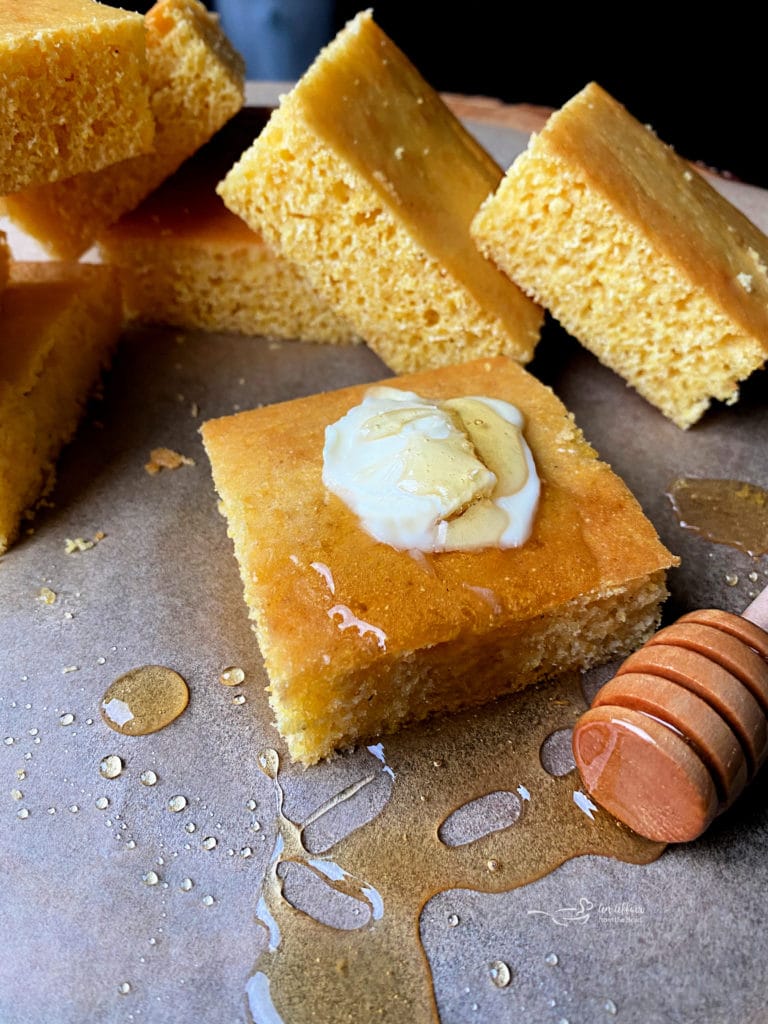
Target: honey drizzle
[(730, 512), (393, 865)]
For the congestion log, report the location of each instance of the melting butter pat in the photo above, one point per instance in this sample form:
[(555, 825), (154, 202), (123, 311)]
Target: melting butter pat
[(434, 476)]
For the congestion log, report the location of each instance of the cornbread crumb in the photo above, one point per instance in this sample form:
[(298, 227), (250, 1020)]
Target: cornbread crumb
[(46, 596), (166, 458), (662, 283), (338, 184), (196, 83), (80, 544)]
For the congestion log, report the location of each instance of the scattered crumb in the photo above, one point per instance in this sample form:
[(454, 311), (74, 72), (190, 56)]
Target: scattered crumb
[(46, 595), (166, 458), (80, 544), (399, 152), (194, 410), (69, 668), (745, 280)]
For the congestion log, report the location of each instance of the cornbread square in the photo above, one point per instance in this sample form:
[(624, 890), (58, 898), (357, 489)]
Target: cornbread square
[(196, 82), (359, 638), (73, 89), (636, 254), (186, 261), (368, 183), (58, 324)]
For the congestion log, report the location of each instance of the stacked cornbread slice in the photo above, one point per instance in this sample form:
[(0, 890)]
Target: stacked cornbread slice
[(185, 260), (636, 255), (59, 321), (196, 83), (73, 89), (366, 181)]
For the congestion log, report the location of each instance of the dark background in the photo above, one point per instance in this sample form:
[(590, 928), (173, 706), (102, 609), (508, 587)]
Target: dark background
[(698, 78)]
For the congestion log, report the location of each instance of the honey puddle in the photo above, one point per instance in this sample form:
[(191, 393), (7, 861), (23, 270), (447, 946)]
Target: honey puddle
[(144, 700), (470, 805), (724, 511)]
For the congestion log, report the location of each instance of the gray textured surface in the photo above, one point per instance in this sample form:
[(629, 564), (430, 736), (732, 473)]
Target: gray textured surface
[(681, 940)]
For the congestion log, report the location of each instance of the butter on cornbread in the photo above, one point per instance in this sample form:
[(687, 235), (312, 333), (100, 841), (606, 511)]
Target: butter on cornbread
[(58, 325), (185, 260), (359, 638), (73, 89), (368, 183), (635, 253), (196, 82)]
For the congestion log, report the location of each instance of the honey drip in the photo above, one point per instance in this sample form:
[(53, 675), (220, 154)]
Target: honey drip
[(724, 511), (144, 700), (375, 968)]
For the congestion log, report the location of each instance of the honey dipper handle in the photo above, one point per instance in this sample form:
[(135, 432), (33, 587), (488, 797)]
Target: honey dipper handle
[(757, 612)]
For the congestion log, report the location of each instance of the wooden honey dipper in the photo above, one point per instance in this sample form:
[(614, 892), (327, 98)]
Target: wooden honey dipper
[(675, 736)]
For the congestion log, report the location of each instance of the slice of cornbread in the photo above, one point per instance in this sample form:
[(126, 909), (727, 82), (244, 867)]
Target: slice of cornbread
[(196, 82), (73, 89), (635, 254), (186, 261), (367, 182), (58, 323), (359, 638)]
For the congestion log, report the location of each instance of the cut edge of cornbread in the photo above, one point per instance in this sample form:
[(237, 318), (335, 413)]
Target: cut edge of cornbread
[(196, 82), (488, 636), (64, 320), (367, 182), (636, 255), (73, 91), (195, 265)]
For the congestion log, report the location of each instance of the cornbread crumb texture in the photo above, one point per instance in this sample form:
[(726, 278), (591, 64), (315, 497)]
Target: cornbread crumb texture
[(359, 638), (73, 89), (187, 261), (196, 82), (58, 325), (636, 255), (368, 183), (166, 458)]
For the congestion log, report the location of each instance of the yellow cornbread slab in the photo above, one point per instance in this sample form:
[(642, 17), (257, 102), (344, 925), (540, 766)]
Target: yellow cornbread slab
[(73, 89), (367, 182), (58, 324), (635, 253), (196, 82), (359, 638), (186, 261)]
